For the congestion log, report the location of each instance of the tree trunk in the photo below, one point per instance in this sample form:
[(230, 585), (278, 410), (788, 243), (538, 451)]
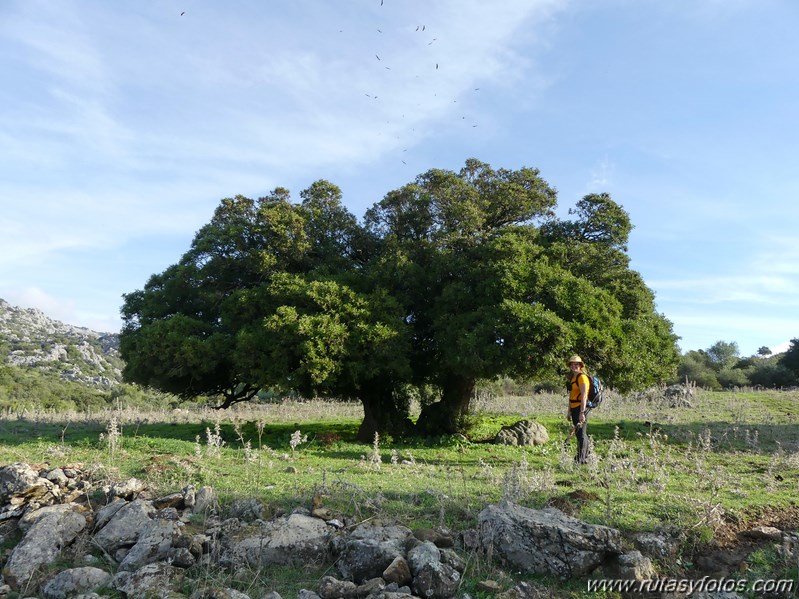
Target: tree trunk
[(383, 414), (448, 416)]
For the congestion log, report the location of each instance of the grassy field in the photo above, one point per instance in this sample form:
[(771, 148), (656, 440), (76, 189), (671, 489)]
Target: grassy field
[(727, 462)]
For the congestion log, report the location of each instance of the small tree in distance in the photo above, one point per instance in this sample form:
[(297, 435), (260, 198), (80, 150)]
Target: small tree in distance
[(718, 367)]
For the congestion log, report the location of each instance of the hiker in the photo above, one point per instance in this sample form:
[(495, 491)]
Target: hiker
[(579, 383)]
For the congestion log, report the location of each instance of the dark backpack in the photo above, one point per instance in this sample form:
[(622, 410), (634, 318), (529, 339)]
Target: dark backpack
[(595, 388)]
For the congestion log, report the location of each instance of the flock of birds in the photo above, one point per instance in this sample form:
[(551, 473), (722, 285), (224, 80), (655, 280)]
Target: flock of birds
[(421, 28)]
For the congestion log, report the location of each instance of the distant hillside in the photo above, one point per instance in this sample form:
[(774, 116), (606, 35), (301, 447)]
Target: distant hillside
[(28, 338)]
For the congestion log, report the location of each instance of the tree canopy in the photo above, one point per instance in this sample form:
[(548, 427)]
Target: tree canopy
[(790, 359), (720, 367), (452, 278)]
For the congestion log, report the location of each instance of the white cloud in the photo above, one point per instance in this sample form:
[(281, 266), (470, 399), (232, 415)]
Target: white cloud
[(746, 287), (780, 347)]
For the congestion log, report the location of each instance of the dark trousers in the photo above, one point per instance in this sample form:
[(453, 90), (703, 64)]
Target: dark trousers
[(580, 432)]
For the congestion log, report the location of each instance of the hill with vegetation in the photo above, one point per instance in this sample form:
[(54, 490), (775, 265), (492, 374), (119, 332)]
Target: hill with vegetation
[(46, 364), (29, 338)]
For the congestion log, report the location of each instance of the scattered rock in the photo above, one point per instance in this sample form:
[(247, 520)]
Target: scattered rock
[(769, 533), (248, 510), (129, 489), (152, 580), (524, 432), (398, 571), (369, 550), (489, 586), (526, 590), (123, 529), (656, 545), (332, 588), (205, 501)]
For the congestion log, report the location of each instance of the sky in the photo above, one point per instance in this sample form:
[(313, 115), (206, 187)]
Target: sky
[(123, 124)]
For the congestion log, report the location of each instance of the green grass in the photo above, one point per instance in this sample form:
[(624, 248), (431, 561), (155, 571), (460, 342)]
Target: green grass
[(727, 459)]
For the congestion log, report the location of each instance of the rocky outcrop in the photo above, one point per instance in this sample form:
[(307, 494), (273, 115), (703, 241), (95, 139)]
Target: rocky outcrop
[(74, 353)]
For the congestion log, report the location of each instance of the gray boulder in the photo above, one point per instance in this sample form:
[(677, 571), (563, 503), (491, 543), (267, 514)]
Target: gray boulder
[(41, 545), (152, 580), (75, 581), (363, 559), (124, 527), (398, 571), (332, 588), (431, 577), (204, 501), (20, 484), (545, 541), (656, 544), (630, 566), (152, 545), (369, 550), (524, 432), (294, 539)]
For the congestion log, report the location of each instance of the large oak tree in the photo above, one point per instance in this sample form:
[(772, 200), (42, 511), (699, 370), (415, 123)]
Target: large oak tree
[(452, 278)]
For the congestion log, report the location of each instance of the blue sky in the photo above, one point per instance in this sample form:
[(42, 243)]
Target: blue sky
[(122, 125)]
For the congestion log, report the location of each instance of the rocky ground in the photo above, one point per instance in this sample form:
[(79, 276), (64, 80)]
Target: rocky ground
[(120, 537)]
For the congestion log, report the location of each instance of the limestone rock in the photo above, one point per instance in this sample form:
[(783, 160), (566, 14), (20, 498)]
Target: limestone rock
[(524, 432), (398, 571), (769, 533), (205, 501), (74, 581), (369, 550), (41, 545), (152, 580), (152, 545), (332, 588), (295, 539), (19, 483), (656, 545), (440, 539), (124, 527), (545, 541), (631, 566), (431, 577)]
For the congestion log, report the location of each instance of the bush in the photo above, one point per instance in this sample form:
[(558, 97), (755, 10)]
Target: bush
[(732, 377), (771, 374), (32, 389)]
